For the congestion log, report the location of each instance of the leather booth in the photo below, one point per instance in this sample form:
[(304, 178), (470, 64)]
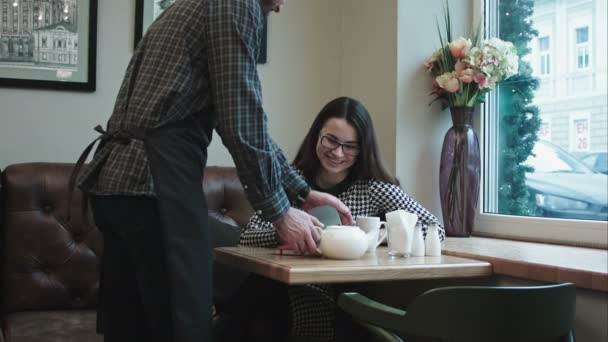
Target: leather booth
[(49, 266)]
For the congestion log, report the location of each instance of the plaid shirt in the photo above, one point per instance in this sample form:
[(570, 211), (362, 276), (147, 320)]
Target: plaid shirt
[(198, 59)]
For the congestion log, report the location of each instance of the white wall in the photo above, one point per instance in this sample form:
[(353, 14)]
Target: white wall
[(420, 127), (368, 69), (301, 75), (39, 125), (318, 49)]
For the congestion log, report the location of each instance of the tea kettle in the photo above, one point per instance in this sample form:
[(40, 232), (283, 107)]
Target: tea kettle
[(343, 242)]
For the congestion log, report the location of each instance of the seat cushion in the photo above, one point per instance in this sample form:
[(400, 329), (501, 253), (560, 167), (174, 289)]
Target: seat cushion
[(51, 326)]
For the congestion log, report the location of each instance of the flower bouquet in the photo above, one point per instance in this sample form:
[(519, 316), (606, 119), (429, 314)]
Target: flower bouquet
[(464, 70)]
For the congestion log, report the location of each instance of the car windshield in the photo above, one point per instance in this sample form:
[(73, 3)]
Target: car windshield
[(548, 158)]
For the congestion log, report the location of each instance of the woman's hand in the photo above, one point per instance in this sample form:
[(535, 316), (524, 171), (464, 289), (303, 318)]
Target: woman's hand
[(317, 199)]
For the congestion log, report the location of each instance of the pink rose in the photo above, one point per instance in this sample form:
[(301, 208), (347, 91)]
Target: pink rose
[(460, 66), (466, 75), (452, 85), (448, 81), (481, 80), (460, 47), (436, 88)]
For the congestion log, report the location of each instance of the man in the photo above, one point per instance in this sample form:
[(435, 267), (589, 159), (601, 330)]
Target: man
[(193, 71)]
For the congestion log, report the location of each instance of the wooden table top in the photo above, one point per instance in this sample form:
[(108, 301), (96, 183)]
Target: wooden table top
[(378, 266)]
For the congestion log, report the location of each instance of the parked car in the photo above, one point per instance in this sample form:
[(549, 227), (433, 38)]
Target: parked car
[(598, 161), (561, 186)]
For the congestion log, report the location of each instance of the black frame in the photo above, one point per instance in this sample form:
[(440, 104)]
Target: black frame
[(139, 22), (139, 27), (88, 86)]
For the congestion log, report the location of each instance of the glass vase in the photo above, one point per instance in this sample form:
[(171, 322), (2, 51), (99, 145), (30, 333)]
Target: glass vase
[(459, 173)]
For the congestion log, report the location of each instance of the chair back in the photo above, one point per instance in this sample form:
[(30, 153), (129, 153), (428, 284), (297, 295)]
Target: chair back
[(485, 313)]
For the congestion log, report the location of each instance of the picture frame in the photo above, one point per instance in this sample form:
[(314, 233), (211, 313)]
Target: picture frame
[(50, 45), (146, 11)]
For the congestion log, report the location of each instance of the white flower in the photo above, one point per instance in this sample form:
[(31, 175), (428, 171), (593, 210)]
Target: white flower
[(495, 58)]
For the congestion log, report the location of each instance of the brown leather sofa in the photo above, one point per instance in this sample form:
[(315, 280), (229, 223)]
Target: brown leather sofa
[(48, 267)]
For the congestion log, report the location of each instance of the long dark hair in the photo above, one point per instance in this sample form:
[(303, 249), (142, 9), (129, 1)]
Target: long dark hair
[(369, 163)]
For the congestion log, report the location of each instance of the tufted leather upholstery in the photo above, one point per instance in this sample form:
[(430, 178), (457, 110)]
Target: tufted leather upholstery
[(226, 199), (48, 267)]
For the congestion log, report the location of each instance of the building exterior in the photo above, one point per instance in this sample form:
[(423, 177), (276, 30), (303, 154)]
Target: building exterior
[(569, 58), (21, 19), (56, 44)]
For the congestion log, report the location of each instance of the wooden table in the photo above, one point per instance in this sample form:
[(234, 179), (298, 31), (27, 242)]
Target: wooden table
[(378, 266)]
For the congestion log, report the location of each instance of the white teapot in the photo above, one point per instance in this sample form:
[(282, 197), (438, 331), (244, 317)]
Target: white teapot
[(343, 242)]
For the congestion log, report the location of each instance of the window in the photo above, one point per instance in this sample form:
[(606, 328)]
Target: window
[(535, 184), (545, 55), (26, 15), (582, 47)]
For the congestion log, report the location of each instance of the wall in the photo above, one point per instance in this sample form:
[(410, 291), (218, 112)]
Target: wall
[(301, 74), (40, 125), (420, 127), (318, 49), (368, 69)]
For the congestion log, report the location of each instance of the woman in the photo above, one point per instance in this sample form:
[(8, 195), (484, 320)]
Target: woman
[(340, 156)]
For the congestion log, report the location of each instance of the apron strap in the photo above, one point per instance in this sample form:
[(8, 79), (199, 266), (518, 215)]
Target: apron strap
[(122, 136)]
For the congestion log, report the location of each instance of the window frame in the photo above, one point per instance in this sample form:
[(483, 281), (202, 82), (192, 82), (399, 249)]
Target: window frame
[(550, 230), (586, 46), (544, 55)]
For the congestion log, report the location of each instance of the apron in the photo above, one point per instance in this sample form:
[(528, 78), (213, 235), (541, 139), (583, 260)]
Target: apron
[(177, 156)]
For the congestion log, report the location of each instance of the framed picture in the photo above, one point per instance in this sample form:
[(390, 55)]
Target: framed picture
[(48, 44), (148, 10)]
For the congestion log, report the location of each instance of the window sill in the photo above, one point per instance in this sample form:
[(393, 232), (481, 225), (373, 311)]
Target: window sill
[(585, 267)]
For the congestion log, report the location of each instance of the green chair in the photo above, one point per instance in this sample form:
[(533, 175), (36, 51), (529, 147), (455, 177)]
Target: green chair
[(472, 314)]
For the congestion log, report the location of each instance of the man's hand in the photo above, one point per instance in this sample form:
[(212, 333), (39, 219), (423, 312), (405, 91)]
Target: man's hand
[(317, 199), (297, 229)]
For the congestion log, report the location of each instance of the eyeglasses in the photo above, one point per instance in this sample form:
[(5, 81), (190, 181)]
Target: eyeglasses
[(332, 143)]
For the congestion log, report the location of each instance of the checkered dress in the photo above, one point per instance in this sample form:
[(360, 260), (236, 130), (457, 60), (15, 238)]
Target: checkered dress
[(313, 305)]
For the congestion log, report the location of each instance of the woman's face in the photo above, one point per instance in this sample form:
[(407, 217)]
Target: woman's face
[(337, 146)]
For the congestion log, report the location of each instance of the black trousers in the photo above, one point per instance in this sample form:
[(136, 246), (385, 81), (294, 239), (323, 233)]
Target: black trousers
[(134, 297)]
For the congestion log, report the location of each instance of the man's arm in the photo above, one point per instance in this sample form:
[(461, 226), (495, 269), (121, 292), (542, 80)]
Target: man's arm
[(232, 38)]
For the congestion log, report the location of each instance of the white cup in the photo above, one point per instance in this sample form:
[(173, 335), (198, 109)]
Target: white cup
[(371, 226)]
